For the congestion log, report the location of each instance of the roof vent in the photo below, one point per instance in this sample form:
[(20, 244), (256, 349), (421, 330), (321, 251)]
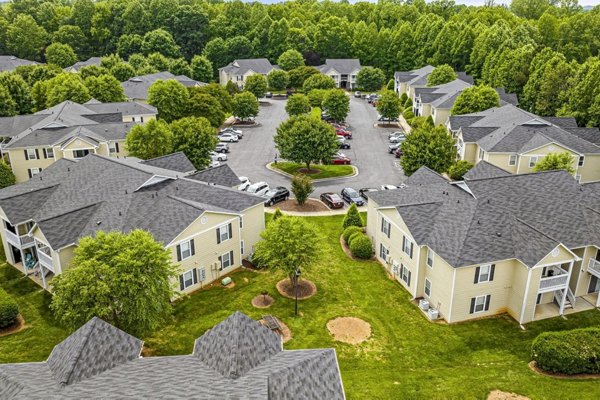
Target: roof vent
[(125, 191), (120, 213), (498, 234), (98, 222), (69, 169)]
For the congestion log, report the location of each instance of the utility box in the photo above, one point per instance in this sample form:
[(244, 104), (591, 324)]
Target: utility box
[(226, 281), (424, 304), (433, 314)]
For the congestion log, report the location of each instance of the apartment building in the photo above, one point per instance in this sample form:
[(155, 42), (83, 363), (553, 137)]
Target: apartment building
[(136, 88), (343, 71), (69, 130), (526, 245), (240, 70), (408, 81)]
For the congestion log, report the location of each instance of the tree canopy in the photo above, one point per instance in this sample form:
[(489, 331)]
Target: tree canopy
[(430, 147), (196, 138), (61, 55), (297, 104), (370, 79), (440, 75), (277, 79), (245, 105), (388, 105), (170, 98), (337, 104), (257, 85), (290, 59), (475, 99), (318, 81), (555, 161), (153, 139)]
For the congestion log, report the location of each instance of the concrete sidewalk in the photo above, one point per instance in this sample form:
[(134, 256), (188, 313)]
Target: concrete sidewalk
[(340, 211)]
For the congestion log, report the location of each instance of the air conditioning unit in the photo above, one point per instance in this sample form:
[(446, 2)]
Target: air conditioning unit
[(424, 304), (433, 314)]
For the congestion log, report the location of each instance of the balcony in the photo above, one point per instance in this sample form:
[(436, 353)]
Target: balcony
[(20, 242), (594, 268), (45, 260), (551, 283)]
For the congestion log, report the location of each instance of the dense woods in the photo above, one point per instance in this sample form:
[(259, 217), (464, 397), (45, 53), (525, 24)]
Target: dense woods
[(547, 54)]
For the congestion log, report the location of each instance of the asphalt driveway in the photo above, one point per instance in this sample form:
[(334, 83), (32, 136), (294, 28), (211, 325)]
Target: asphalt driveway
[(369, 153)]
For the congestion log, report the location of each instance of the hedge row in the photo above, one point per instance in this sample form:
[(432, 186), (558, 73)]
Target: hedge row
[(569, 352), (359, 243), (9, 310)]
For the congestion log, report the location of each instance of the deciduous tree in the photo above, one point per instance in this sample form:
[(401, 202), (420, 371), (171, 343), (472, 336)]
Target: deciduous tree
[(160, 41), (123, 71), (290, 59), (205, 105), (244, 105), (196, 137), (440, 75), (105, 88), (302, 187), (8, 107), (555, 161), (370, 79), (277, 79), (459, 169), (299, 75), (388, 105), (475, 99), (337, 104), (429, 147), (318, 81), (61, 55), (153, 139), (297, 104), (18, 90), (202, 69), (25, 38), (66, 86), (170, 97), (7, 177), (257, 85)]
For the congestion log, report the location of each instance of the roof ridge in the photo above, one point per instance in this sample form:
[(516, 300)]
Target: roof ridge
[(420, 204), (114, 160), (164, 156), (70, 211), (31, 191), (88, 332), (535, 229), (185, 201), (520, 175)]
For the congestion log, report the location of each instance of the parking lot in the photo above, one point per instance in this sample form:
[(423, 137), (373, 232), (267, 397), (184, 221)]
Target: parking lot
[(369, 153)]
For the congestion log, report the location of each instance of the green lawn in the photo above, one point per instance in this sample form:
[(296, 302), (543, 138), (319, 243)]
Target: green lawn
[(325, 171), (407, 357)]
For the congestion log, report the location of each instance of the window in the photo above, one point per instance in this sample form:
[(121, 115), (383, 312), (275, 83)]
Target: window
[(479, 304), (430, 258), (484, 273), (539, 298), (512, 160), (242, 247), (427, 287), (581, 161), (49, 152), (33, 171), (241, 222), (113, 147), (383, 252), (578, 178), (31, 154), (386, 227), (226, 260), (202, 276), (407, 246), (185, 250), (224, 232), (481, 153), (80, 153), (532, 161), (141, 120), (405, 274), (239, 78), (187, 279)]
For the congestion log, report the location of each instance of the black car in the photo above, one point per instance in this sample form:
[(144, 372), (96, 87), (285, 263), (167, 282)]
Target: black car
[(351, 196), (343, 145), (363, 192), (268, 95), (276, 195)]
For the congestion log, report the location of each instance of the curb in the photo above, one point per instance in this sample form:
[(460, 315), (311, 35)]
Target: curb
[(356, 173)]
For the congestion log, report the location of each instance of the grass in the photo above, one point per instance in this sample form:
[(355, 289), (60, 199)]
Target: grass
[(407, 356), (325, 171)]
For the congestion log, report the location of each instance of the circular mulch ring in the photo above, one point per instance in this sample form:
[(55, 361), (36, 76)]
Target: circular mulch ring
[(349, 330), (532, 366), (306, 289), (17, 327), (500, 395), (311, 205), (308, 171), (286, 333), (261, 301)]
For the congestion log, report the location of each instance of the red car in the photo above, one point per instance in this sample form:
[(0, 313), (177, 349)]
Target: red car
[(344, 133), (340, 159), (332, 200), (398, 153)]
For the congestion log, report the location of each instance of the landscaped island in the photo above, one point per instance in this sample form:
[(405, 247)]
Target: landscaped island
[(316, 171)]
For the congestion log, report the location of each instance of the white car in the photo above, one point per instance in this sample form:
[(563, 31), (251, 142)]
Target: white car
[(218, 156), (228, 137), (245, 183), (214, 164), (230, 129), (397, 139), (258, 188)]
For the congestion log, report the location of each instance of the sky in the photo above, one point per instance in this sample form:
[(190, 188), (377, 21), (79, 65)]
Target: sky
[(481, 2)]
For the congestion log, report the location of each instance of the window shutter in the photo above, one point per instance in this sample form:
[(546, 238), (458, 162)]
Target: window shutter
[(389, 230), (194, 276), (45, 154), (178, 253), (220, 262), (26, 155), (472, 305), (29, 173), (181, 285), (476, 280), (192, 247), (409, 274), (487, 302), (411, 249), (117, 146), (231, 258), (230, 230), (382, 224), (218, 235), (37, 154), (492, 268)]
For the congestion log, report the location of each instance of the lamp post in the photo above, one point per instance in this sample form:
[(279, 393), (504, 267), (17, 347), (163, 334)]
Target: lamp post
[(297, 275)]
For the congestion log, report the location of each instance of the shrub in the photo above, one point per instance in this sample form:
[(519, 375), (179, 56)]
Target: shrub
[(352, 217), (570, 352), (9, 310), (354, 236), (361, 247), (408, 114), (459, 169), (302, 187), (350, 231)]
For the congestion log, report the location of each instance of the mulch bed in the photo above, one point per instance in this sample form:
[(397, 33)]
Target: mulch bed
[(306, 289), (311, 205), (392, 125), (17, 327), (285, 333), (499, 395), (261, 301), (537, 370), (349, 330), (308, 171)]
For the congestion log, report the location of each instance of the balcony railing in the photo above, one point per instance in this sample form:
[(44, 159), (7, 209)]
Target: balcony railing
[(12, 238), (45, 260), (554, 282), (594, 267)]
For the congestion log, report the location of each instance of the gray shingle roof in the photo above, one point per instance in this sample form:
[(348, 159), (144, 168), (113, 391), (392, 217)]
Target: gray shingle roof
[(137, 87), (220, 175), (107, 193), (415, 74), (490, 224), (174, 162), (344, 66), (592, 135), (460, 121), (126, 108), (86, 63), (270, 373), (10, 63), (563, 122), (241, 66), (472, 134), (507, 98), (484, 170)]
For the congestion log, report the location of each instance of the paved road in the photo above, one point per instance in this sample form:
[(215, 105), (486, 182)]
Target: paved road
[(368, 153)]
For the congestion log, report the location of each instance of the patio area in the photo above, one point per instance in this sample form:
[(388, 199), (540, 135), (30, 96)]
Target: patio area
[(36, 276), (551, 310)]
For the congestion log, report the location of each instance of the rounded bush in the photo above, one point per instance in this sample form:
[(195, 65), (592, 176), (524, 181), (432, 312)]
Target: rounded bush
[(570, 352), (9, 311), (352, 237), (349, 231), (360, 246)]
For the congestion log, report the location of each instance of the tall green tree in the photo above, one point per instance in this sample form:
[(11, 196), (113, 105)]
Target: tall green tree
[(160, 41), (7, 177), (429, 147), (170, 97), (475, 99), (61, 55), (66, 86), (297, 104), (25, 38), (530, 9), (18, 90), (582, 97), (299, 75), (125, 279), (205, 105), (180, 66), (388, 105), (8, 107), (257, 85), (370, 79), (105, 88), (301, 139), (278, 79), (123, 71), (318, 81), (244, 105), (196, 138), (440, 75), (153, 139), (73, 36), (290, 59), (556, 161), (302, 187), (337, 104), (202, 69)]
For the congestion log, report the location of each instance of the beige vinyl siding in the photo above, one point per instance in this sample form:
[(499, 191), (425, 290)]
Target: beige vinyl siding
[(440, 115), (470, 153), (585, 277), (20, 164), (66, 255), (517, 290), (254, 224), (540, 153), (425, 110), (530, 299), (590, 172), (441, 277), (563, 256), (502, 160)]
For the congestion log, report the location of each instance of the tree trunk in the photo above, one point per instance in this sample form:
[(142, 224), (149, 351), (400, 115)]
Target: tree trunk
[(308, 167)]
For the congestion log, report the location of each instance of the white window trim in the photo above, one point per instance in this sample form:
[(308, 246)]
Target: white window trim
[(407, 245), (46, 150), (242, 249), (404, 269), (425, 288), (189, 249), (241, 222), (224, 228), (489, 272), (90, 151), (386, 227), (510, 160), (223, 261), (581, 161), (532, 161), (191, 272), (35, 171), (382, 249), (482, 304), (430, 253), (31, 154)]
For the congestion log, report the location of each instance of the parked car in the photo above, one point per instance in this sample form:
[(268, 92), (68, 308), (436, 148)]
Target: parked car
[(363, 192), (343, 144), (228, 137), (213, 164), (398, 153), (218, 156), (389, 187), (393, 147), (258, 188), (332, 200), (351, 196), (398, 138), (372, 97), (340, 125), (345, 133), (396, 133), (341, 159), (380, 118), (268, 95), (245, 182), (222, 148), (357, 94), (276, 195), (231, 129)]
